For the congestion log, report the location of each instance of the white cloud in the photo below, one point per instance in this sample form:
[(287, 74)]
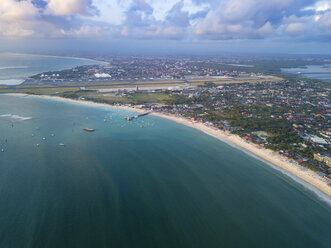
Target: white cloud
[(69, 7), (320, 6), (325, 20), (17, 18), (171, 19), (84, 31), (111, 12), (294, 27)]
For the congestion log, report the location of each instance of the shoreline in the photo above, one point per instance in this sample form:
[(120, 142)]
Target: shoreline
[(264, 154), (57, 56), (20, 81)]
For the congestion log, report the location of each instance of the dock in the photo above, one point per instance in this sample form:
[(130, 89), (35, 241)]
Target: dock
[(136, 116)]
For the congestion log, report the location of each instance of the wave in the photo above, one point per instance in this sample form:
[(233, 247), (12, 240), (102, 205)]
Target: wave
[(15, 117)]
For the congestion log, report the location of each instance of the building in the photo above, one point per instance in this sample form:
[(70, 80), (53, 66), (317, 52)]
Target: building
[(323, 157)]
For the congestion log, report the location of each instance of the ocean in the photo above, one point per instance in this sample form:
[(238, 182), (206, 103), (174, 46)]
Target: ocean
[(146, 183), (15, 68)]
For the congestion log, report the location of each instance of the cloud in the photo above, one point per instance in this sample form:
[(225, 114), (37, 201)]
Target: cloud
[(325, 20), (294, 27), (17, 18), (171, 19), (320, 6), (177, 16), (70, 7), (141, 23), (246, 18), (83, 32)]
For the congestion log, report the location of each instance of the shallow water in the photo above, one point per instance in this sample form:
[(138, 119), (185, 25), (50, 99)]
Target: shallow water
[(146, 183)]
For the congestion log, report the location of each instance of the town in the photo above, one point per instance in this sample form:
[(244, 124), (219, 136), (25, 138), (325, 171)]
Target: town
[(135, 69), (290, 117), (144, 69)]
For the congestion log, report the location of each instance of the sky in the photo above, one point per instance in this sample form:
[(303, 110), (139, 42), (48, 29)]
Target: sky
[(171, 26)]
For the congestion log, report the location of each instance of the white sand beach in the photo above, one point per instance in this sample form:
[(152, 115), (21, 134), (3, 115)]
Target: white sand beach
[(267, 155)]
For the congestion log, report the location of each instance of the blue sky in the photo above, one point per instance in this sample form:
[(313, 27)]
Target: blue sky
[(288, 26)]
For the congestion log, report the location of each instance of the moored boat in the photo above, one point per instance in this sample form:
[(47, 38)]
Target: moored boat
[(89, 129)]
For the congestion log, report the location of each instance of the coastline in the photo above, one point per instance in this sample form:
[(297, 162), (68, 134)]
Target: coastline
[(57, 56), (264, 154)]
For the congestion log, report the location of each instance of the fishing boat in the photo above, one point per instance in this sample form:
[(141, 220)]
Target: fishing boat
[(89, 129)]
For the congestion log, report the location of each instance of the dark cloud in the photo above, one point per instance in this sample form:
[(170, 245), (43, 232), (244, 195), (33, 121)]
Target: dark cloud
[(177, 17)]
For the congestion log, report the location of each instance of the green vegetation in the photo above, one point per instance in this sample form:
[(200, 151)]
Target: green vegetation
[(134, 98), (40, 91)]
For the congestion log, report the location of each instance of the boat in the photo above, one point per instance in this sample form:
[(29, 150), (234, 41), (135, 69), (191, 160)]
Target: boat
[(89, 129), (61, 144)]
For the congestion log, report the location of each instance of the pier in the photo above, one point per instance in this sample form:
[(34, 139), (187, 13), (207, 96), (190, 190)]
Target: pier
[(136, 116)]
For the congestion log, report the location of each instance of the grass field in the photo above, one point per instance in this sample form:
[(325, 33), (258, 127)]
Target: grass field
[(137, 98), (238, 80)]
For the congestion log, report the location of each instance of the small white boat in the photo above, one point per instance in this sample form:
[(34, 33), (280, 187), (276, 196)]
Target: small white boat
[(44, 138), (61, 144), (37, 145), (2, 150), (89, 129)]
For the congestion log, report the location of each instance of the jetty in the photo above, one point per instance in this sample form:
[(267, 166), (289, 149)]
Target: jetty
[(136, 116)]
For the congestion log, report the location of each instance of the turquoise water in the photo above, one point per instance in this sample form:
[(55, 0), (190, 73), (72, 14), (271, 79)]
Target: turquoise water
[(149, 183), (15, 68)]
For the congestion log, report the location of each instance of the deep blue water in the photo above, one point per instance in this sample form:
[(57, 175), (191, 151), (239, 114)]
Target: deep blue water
[(15, 68), (146, 183)]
